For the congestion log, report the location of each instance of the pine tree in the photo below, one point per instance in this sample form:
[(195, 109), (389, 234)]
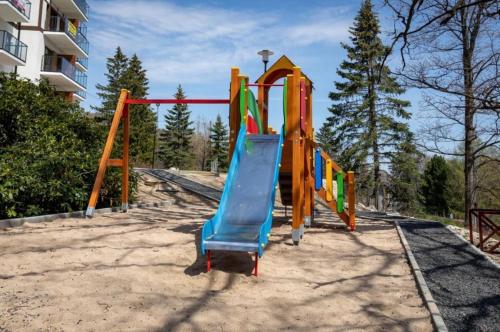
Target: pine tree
[(325, 137), (142, 118), (405, 176), (127, 74), (435, 188), (219, 143), (176, 150), (109, 93), (366, 114)]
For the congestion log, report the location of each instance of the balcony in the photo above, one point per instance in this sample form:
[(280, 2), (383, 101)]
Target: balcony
[(80, 96), (78, 9), (65, 37), (62, 74), (82, 64), (15, 10), (12, 51)]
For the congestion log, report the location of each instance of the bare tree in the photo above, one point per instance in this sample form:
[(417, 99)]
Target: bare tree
[(451, 49), (201, 144)]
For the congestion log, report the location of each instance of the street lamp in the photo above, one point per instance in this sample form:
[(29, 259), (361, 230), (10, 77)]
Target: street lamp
[(265, 57)]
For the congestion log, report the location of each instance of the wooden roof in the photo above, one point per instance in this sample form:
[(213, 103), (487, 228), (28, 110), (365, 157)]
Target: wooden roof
[(279, 69)]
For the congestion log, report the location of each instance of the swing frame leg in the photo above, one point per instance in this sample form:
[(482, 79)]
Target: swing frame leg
[(209, 260), (256, 265)]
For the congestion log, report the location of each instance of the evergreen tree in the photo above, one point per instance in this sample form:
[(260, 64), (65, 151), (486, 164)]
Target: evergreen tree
[(109, 93), (325, 138), (405, 176), (176, 150), (366, 114), (142, 118), (219, 143), (435, 188), (127, 74)]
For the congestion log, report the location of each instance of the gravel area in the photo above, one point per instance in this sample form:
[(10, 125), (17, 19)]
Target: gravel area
[(464, 284)]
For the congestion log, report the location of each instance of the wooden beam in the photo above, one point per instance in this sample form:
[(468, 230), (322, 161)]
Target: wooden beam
[(108, 147), (115, 163), (351, 200), (126, 142), (297, 157)]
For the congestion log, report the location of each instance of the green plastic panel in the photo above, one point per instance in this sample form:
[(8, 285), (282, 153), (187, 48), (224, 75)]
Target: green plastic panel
[(340, 192)]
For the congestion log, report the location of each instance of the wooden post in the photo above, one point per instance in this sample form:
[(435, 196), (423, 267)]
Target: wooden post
[(480, 230), (308, 160), (108, 147), (126, 141), (352, 201), (297, 157), (471, 237), (234, 109)]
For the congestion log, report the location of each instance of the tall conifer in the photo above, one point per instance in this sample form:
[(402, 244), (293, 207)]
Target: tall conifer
[(219, 143), (366, 116), (176, 149)]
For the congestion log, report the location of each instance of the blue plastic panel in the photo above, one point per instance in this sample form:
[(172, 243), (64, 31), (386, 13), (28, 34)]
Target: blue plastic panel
[(318, 170)]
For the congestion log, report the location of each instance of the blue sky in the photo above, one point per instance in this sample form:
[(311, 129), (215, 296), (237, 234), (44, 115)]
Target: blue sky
[(195, 43)]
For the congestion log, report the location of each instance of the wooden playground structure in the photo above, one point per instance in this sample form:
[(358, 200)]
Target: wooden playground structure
[(304, 166)]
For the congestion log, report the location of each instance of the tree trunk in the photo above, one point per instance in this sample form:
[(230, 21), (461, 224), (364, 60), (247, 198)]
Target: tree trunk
[(469, 135), (374, 137)]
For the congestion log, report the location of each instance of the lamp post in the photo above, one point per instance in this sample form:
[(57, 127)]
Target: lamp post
[(265, 57)]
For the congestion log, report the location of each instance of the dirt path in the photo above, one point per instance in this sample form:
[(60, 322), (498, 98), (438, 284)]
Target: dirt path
[(141, 272)]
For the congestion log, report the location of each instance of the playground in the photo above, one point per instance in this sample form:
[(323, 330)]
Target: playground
[(277, 243), (143, 271)]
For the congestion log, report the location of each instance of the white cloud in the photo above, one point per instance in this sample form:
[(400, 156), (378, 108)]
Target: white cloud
[(186, 43)]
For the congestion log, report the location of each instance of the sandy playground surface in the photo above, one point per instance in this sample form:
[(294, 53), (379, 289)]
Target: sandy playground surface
[(141, 271)]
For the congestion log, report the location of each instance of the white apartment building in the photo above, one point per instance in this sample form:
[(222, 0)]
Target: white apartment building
[(46, 39)]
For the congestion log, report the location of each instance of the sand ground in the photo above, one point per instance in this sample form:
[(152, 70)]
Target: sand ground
[(142, 271)]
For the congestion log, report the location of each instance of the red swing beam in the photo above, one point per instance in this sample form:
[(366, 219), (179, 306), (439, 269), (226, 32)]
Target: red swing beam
[(176, 101)]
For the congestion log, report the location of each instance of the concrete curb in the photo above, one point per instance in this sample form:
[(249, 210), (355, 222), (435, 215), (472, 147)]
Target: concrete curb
[(436, 317), (17, 222), (473, 247)]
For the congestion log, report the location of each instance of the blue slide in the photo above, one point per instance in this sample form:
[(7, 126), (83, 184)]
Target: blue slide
[(244, 217)]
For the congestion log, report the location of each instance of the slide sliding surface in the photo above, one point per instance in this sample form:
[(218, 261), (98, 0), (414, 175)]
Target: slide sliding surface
[(244, 217)]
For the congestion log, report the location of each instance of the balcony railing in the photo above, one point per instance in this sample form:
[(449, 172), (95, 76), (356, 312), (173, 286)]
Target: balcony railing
[(84, 7), (24, 6), (59, 64), (82, 28), (82, 94), (12, 45), (62, 24), (83, 61)]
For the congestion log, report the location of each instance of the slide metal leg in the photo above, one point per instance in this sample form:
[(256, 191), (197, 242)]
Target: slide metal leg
[(296, 236), (209, 260), (256, 266)]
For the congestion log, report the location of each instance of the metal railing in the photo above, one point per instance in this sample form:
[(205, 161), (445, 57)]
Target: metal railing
[(82, 94), (63, 24), (24, 6), (12, 45), (83, 61), (59, 64), (84, 7)]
